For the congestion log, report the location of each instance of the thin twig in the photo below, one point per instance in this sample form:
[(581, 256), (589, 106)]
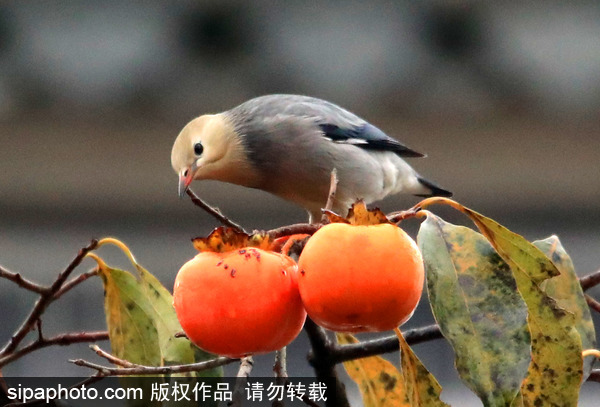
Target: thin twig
[(104, 371), (112, 358), (45, 300), (21, 281), (75, 281), (214, 212), (59, 340), (592, 303), (397, 217), (590, 280), (333, 183), (296, 229), (281, 374), (280, 366)]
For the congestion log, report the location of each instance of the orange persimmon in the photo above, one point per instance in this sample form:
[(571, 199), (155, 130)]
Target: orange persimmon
[(358, 278), (239, 302)]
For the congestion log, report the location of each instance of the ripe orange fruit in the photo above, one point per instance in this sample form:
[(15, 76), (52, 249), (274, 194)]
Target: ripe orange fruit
[(240, 302), (360, 278)]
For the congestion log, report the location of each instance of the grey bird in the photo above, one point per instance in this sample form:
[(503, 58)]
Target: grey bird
[(288, 145)]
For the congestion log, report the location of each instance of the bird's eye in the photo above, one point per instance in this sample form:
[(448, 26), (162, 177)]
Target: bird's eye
[(198, 149)]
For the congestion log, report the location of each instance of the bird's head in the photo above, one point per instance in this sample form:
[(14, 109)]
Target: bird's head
[(207, 148)]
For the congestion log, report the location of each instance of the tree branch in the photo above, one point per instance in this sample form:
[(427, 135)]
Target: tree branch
[(592, 303), (21, 281), (58, 340), (297, 229), (214, 212), (387, 344), (590, 280), (111, 358), (324, 365), (140, 370), (74, 282), (45, 299)]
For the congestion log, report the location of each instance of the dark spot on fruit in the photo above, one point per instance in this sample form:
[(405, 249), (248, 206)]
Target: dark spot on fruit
[(257, 254), (219, 263), (247, 256), (226, 267), (283, 272), (130, 306), (232, 273), (302, 272), (242, 251)]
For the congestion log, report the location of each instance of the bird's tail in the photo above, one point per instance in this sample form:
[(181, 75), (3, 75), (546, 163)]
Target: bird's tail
[(433, 188)]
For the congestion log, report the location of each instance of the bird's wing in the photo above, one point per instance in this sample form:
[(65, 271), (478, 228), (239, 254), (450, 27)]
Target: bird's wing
[(366, 136), (337, 124)]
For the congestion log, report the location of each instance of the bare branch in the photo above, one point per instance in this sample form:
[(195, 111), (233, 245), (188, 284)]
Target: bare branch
[(280, 366), (21, 281), (104, 371), (333, 183), (111, 358), (74, 282), (592, 303), (297, 229), (45, 299), (590, 280), (214, 212), (281, 374), (384, 345), (397, 217), (59, 340)]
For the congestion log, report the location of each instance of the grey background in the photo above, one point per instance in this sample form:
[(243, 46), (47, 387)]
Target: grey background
[(504, 98)]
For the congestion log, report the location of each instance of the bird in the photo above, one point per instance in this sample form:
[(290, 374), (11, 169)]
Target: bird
[(288, 145)]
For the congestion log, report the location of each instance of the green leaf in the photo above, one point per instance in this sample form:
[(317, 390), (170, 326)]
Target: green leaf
[(133, 335), (173, 350), (380, 383), (422, 389), (567, 292), (475, 301), (556, 369), (142, 322), (131, 329)]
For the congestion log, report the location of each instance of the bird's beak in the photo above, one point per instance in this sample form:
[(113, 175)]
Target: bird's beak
[(185, 179)]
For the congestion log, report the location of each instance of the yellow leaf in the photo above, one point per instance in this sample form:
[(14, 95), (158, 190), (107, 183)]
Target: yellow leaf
[(422, 389), (379, 381)]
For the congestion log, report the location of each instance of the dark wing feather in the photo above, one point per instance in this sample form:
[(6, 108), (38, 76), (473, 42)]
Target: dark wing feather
[(368, 137)]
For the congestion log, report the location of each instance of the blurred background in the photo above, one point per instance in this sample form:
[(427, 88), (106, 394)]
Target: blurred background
[(503, 97)]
